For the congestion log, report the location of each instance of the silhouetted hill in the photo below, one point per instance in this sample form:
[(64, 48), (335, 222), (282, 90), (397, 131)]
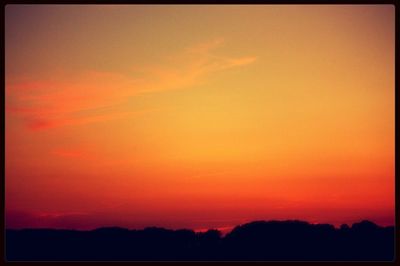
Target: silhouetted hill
[(298, 240), (260, 240)]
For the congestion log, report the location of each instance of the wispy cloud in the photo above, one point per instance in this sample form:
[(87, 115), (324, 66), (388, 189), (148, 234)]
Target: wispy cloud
[(37, 123), (99, 96), (68, 153), (31, 219)]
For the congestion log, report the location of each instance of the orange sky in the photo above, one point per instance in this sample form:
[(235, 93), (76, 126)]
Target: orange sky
[(198, 116)]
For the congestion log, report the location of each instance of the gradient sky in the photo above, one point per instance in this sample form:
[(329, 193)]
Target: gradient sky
[(198, 116)]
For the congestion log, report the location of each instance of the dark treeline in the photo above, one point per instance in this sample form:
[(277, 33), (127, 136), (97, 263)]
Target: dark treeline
[(255, 241)]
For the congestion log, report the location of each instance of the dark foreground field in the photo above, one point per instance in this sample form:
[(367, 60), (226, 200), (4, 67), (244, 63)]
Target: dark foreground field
[(256, 241)]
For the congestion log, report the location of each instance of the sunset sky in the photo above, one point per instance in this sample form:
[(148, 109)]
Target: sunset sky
[(198, 116)]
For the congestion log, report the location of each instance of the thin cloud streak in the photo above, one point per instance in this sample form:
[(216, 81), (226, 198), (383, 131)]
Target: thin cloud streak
[(44, 104), (38, 124)]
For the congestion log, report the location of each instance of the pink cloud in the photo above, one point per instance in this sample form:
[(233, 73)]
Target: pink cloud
[(29, 219), (65, 101), (35, 123)]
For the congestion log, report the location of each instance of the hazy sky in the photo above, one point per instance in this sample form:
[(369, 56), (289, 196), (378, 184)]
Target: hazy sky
[(198, 116)]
